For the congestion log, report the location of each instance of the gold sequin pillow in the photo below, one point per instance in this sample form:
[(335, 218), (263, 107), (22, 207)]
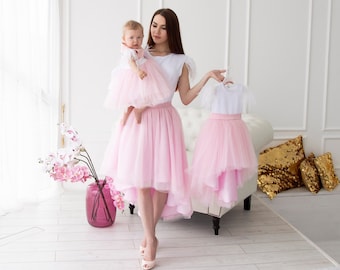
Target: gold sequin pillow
[(279, 167), (310, 175), (324, 164)]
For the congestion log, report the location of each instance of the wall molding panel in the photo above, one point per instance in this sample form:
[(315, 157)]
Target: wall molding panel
[(328, 44), (286, 52), (331, 107), (329, 144), (247, 42), (227, 35)]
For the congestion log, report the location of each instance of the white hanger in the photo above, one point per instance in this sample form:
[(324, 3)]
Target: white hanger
[(227, 80)]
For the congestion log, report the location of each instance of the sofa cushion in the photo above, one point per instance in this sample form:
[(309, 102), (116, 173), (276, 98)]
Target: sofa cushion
[(279, 167), (324, 164), (310, 175)]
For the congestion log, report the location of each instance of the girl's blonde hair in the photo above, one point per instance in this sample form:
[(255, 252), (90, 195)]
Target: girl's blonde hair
[(132, 25)]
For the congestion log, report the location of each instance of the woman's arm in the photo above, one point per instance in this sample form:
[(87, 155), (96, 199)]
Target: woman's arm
[(188, 94)]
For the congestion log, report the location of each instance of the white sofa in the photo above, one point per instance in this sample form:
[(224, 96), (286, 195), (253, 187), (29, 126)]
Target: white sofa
[(261, 133)]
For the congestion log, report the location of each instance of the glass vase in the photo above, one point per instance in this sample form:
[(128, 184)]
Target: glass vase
[(100, 209)]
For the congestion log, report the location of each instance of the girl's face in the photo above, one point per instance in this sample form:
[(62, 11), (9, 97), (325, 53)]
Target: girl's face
[(133, 38), (158, 30)]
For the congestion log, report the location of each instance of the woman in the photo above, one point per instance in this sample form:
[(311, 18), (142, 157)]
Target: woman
[(147, 160)]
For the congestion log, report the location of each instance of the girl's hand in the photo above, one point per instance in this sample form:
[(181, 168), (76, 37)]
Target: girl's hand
[(142, 74)]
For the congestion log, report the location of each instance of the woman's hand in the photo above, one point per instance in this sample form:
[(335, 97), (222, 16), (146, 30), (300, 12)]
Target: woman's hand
[(217, 74)]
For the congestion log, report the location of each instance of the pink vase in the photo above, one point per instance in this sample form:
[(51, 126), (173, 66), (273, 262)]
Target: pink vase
[(100, 209)]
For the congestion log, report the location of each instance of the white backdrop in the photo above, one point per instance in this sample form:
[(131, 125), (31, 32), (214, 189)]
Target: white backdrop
[(285, 51)]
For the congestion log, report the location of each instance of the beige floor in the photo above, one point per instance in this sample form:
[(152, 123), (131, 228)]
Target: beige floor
[(56, 235), (317, 216)]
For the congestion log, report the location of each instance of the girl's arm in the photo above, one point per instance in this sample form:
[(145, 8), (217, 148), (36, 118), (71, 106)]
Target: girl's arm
[(188, 94), (140, 73)]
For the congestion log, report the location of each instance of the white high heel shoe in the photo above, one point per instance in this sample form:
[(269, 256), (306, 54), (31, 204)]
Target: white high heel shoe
[(147, 265)]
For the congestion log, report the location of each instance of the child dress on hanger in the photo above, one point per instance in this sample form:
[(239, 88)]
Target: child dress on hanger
[(126, 88), (224, 156)]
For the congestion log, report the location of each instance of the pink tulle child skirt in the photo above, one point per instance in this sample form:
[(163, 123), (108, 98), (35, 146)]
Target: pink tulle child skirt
[(126, 88), (151, 155), (223, 159)]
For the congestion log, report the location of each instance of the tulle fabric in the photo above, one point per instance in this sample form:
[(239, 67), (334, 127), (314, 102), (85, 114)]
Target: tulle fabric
[(223, 159), (151, 155), (126, 88)]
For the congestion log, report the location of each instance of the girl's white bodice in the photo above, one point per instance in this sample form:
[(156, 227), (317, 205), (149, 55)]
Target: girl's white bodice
[(127, 54), (226, 99)]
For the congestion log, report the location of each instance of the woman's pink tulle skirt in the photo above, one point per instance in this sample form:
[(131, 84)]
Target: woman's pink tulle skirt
[(151, 155), (224, 158)]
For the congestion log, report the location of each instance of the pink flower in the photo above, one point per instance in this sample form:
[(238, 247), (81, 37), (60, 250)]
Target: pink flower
[(60, 173), (71, 136), (116, 195), (73, 163), (80, 173), (118, 201)]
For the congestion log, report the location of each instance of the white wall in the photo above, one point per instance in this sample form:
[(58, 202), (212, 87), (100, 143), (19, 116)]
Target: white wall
[(286, 51)]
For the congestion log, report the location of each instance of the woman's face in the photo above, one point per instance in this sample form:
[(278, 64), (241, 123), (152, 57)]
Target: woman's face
[(158, 30)]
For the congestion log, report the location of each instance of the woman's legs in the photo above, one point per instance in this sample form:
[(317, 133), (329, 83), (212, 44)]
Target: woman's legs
[(159, 201), (150, 209), (145, 205)]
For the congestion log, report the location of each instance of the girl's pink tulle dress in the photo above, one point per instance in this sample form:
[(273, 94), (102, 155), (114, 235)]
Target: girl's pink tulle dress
[(126, 88), (224, 157), (152, 154)]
